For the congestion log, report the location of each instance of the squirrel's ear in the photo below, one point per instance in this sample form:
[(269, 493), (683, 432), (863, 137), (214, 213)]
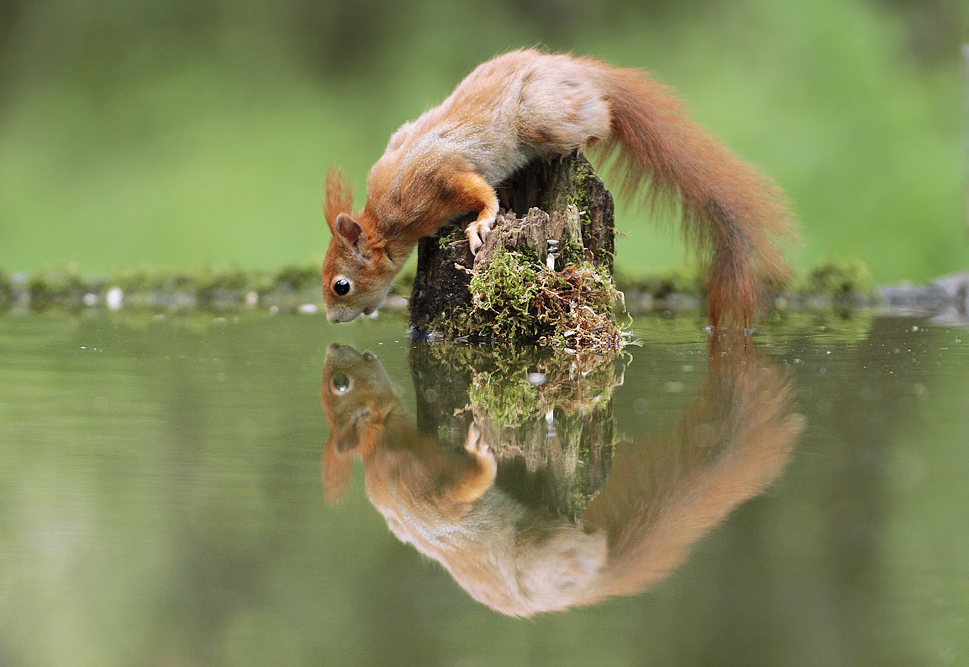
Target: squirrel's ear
[(348, 228), (347, 439), (348, 436)]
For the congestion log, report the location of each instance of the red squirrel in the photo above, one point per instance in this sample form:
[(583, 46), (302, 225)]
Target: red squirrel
[(525, 105)]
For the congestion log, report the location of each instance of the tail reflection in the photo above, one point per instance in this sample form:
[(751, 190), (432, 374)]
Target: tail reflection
[(662, 493)]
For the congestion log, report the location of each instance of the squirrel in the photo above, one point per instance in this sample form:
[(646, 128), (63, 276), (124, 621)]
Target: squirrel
[(526, 105), (664, 492)]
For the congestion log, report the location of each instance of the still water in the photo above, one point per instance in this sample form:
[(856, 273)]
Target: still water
[(173, 491)]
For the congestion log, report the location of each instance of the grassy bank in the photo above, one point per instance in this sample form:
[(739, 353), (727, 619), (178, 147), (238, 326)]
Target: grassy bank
[(297, 288)]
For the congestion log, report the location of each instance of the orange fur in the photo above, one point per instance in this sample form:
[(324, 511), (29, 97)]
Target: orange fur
[(525, 105), (339, 197)]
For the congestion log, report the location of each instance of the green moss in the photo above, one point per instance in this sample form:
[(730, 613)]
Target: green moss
[(582, 170), (662, 283), (507, 399), (839, 279), (57, 288), (573, 252), (504, 290), (459, 323), (517, 299), (453, 232), (222, 289), (297, 277), (157, 280), (228, 279), (503, 384)]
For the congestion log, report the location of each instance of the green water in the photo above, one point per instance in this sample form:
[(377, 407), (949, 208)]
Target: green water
[(162, 502)]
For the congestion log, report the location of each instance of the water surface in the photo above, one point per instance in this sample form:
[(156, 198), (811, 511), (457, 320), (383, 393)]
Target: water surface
[(800, 501)]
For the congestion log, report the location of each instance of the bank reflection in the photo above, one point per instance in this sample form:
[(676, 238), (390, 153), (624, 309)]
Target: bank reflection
[(535, 504)]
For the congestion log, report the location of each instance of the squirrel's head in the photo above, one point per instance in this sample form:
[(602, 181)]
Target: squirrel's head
[(357, 271), (356, 393)]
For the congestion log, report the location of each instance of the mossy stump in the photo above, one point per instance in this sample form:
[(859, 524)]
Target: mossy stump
[(545, 269)]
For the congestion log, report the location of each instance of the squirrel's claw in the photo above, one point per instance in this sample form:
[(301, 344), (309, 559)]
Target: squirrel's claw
[(477, 233)]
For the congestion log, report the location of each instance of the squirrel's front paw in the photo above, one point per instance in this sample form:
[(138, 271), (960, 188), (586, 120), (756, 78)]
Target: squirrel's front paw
[(479, 447), (477, 233), (475, 443)]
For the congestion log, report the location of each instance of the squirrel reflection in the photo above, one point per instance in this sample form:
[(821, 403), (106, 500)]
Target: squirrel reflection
[(661, 496)]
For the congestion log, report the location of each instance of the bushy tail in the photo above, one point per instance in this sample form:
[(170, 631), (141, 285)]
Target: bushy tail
[(664, 494), (733, 214)]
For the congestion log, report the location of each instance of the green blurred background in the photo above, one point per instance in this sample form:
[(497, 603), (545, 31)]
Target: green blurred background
[(184, 133)]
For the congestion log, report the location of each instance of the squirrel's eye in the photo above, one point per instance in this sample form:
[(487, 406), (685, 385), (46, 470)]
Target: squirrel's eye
[(340, 383), (341, 286)]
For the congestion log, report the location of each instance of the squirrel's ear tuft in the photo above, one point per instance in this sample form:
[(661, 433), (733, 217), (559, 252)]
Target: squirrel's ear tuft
[(337, 472), (339, 197)]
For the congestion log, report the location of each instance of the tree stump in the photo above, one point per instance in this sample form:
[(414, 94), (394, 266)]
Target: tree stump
[(556, 219)]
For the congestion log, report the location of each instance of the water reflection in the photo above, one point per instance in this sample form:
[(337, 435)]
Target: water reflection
[(534, 504)]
